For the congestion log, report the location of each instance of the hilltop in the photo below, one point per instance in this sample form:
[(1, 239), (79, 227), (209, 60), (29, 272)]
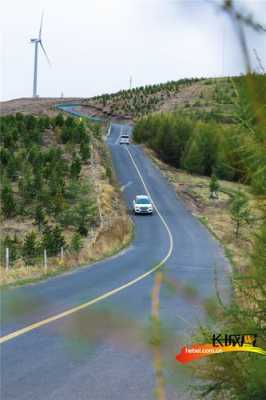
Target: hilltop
[(196, 95)]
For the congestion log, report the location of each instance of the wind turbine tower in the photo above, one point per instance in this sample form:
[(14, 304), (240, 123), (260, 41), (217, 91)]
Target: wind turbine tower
[(37, 42)]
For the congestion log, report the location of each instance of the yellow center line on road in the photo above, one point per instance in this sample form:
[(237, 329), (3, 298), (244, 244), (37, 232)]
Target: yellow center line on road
[(73, 310)]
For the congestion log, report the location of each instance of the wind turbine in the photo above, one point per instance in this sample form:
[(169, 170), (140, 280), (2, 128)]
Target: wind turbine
[(38, 42)]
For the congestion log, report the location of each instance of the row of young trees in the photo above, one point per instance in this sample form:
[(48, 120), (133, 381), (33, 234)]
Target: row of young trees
[(208, 147), (147, 89), (195, 146), (141, 100), (31, 247), (41, 160)]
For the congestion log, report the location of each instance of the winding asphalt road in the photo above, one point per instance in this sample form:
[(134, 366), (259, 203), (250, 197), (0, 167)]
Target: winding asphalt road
[(82, 335)]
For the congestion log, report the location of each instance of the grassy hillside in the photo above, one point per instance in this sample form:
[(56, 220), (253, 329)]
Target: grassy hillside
[(221, 142), (212, 97), (139, 101), (57, 194), (223, 148)]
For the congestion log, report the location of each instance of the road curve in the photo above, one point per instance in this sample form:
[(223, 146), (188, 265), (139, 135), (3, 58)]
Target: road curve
[(73, 339)]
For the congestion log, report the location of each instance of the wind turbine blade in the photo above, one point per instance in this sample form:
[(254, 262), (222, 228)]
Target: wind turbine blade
[(40, 32), (46, 55)]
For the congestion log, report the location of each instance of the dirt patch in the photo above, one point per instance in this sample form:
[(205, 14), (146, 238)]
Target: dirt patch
[(187, 96)]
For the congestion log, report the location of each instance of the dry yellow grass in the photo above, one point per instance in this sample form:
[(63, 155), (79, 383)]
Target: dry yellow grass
[(107, 241)]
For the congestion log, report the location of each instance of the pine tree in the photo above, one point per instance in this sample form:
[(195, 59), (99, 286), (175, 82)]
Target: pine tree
[(11, 168), (66, 134), (39, 216), (240, 211), (75, 167), (85, 151), (83, 217), (7, 201), (53, 240), (30, 247), (13, 245), (59, 120), (30, 122), (70, 122), (79, 133), (193, 158), (4, 156), (76, 243)]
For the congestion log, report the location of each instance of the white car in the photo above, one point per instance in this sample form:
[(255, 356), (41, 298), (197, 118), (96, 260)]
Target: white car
[(142, 205), (124, 139)]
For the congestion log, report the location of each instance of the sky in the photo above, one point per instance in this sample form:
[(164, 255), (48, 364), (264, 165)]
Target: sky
[(96, 45)]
